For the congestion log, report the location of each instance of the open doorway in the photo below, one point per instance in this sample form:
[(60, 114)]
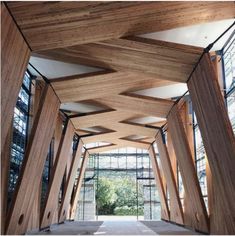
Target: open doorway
[(119, 185)]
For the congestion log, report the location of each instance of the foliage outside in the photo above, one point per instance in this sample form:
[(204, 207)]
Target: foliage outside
[(117, 197)]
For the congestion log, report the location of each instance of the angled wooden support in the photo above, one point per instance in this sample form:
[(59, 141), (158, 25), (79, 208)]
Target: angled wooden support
[(138, 103), (75, 198), (217, 135), (64, 151), (100, 118), (176, 213), (102, 84), (103, 148), (198, 214), (33, 164), (70, 183), (165, 209), (14, 60)]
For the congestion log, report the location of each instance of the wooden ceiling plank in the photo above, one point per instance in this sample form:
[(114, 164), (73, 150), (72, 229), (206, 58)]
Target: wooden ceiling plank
[(63, 24)]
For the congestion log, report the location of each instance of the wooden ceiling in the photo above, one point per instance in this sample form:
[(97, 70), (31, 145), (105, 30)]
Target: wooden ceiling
[(104, 34), (50, 25)]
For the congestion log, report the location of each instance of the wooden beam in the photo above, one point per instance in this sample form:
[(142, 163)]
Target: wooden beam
[(14, 59), (57, 175), (132, 143), (69, 23), (101, 118), (166, 61), (162, 194), (103, 148), (217, 135), (198, 214), (33, 163), (102, 84), (138, 103), (108, 137), (176, 213), (75, 197), (70, 182)]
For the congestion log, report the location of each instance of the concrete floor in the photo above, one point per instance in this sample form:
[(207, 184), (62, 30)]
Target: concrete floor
[(116, 228)]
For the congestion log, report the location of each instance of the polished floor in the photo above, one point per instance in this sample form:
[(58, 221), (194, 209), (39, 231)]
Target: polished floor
[(116, 228)]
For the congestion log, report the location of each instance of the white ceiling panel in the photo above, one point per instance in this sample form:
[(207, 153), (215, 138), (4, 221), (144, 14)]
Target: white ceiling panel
[(197, 35)]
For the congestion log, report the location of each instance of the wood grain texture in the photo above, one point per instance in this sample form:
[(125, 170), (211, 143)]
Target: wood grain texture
[(74, 200), (70, 182), (198, 214), (60, 24), (57, 137), (102, 118), (33, 164), (102, 84), (64, 151), (104, 148), (143, 104), (156, 171), (107, 137), (164, 59), (176, 213), (14, 59), (217, 135)]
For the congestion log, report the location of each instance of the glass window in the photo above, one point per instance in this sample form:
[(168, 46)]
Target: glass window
[(200, 160), (228, 58), (19, 137)]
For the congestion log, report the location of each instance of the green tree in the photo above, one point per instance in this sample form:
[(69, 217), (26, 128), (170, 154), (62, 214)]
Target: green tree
[(105, 196)]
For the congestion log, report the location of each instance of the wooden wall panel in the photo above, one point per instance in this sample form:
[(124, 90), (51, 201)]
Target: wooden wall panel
[(64, 151), (75, 197), (217, 135), (70, 183), (14, 59), (176, 213), (71, 23), (33, 163), (198, 214), (159, 184)]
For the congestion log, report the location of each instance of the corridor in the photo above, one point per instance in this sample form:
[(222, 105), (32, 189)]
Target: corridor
[(116, 228)]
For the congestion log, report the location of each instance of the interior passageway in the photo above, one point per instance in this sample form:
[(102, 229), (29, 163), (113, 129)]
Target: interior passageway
[(117, 228)]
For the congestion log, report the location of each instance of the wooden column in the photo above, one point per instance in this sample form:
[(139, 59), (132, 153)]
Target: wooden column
[(70, 183), (159, 184), (65, 149), (75, 197), (198, 215), (33, 163), (57, 137), (14, 60), (176, 212), (218, 137)]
